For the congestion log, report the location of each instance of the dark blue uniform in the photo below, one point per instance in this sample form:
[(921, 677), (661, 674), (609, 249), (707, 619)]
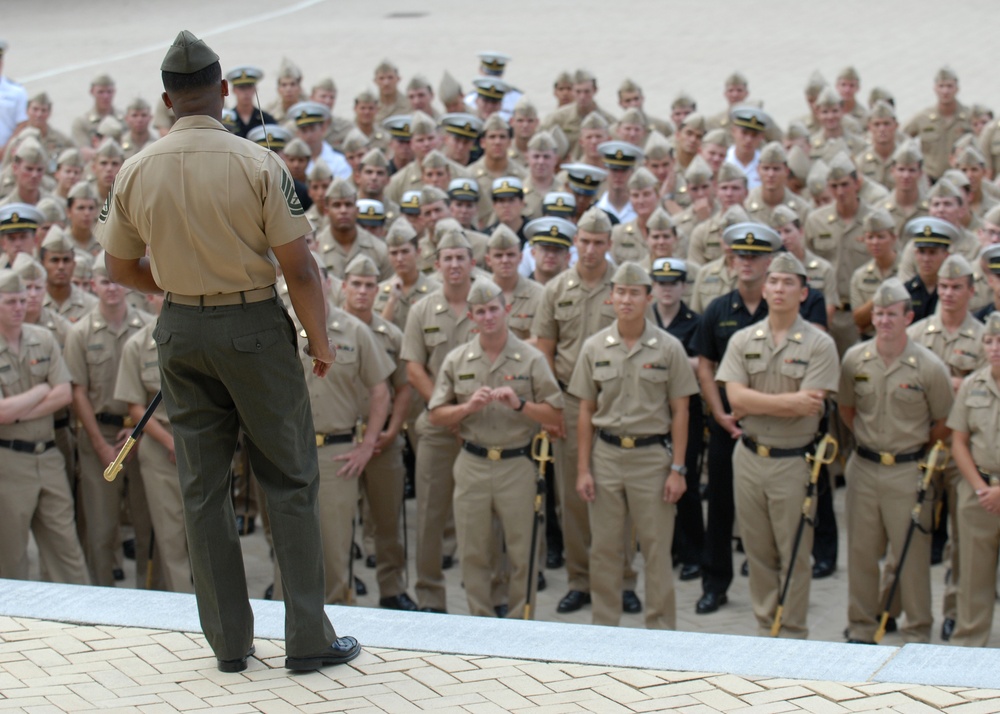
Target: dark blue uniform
[(924, 300)]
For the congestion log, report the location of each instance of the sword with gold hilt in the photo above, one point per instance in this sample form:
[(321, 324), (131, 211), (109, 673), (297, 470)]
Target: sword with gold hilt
[(540, 447), (936, 462), (111, 472), (826, 453)]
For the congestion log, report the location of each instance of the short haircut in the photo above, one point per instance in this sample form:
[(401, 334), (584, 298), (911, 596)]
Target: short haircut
[(210, 76)]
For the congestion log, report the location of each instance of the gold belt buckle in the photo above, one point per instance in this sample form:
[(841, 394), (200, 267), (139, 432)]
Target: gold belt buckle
[(320, 440), (887, 459), (494, 454), (763, 451), (39, 447), (128, 422), (628, 442)]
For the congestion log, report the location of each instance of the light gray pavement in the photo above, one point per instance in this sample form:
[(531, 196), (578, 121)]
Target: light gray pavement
[(59, 45)]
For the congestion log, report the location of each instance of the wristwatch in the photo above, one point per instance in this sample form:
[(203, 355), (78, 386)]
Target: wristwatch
[(520, 407), (681, 469)]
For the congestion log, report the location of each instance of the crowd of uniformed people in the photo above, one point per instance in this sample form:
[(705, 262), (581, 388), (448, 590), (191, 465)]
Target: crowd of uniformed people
[(651, 321)]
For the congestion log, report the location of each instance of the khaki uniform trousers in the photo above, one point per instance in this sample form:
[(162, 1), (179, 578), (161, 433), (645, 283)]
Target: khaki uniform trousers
[(769, 496), (951, 478), (34, 497), (574, 517), (976, 598), (383, 485), (629, 487), (505, 488), (437, 449), (101, 503), (878, 506), (166, 512)]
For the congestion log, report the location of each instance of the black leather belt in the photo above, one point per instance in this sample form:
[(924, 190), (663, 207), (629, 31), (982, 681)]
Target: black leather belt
[(324, 439), (632, 442), (113, 419), (887, 459), (773, 452), (844, 306), (27, 447), (495, 453), (61, 423), (991, 479)]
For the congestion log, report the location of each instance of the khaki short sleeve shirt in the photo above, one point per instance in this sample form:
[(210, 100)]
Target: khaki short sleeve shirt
[(977, 413), (37, 361)]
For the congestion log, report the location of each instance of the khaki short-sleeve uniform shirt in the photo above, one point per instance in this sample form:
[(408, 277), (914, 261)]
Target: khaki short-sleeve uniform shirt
[(139, 371), (78, 304), (424, 286), (838, 240), (433, 330), (759, 211), (37, 361), (937, 134), (523, 306), (713, 279), (865, 281), (977, 413), (336, 257), (961, 351)]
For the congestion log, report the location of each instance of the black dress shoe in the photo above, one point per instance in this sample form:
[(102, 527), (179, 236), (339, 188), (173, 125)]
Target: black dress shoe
[(554, 559), (631, 602), (823, 569), (118, 574), (501, 610), (691, 571), (853, 641), (434, 610), (573, 601), (710, 602), (245, 525), (447, 562), (398, 602), (235, 665), (269, 592), (947, 628), (355, 551), (128, 548), (541, 582), (745, 569), (359, 587), (343, 650), (890, 625), (370, 561)]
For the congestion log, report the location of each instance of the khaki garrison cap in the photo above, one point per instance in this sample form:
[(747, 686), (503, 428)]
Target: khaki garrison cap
[(109, 148), (956, 178), (619, 155), (52, 210), (503, 238), (594, 121), (683, 100), (418, 82), (751, 238), (630, 273), (461, 124), (434, 159), (890, 292), (296, 148), (376, 159), (463, 189), (410, 203), (422, 124), (695, 122), (495, 122), (99, 266), (563, 78), (325, 85), (550, 230), (828, 98), (187, 55), (354, 141), (451, 237), (562, 143), (28, 268), (594, 221), (400, 233), (669, 270), (341, 189), (783, 216), (945, 189), (432, 194), (882, 110), (633, 115), (524, 108), (70, 157), (58, 240), (306, 113), (991, 255), (946, 74), (584, 178), (908, 154), (877, 221), (492, 88), (799, 164), (244, 76), (657, 146), (109, 126), (398, 126), (583, 75), (84, 268), (542, 141), (558, 203), (10, 281), (449, 88), (773, 153), (362, 265), (849, 73), (841, 166), (717, 137), (493, 63), (785, 262), (289, 70), (954, 266), (736, 79), (881, 94), (660, 220), (642, 179), (482, 292), (365, 96), (797, 130), (993, 216), (698, 172), (928, 232), (83, 190), (31, 152), (730, 172), (386, 66), (733, 215), (818, 176), (970, 157), (507, 187), (446, 225), (16, 217), (371, 213), (270, 136), (815, 85), (750, 117), (992, 324), (319, 172)]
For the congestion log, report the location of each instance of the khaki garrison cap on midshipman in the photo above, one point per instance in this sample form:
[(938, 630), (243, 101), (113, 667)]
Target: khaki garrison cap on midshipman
[(270, 136), (83, 190), (297, 149), (799, 164), (52, 210), (452, 237), (289, 70), (773, 153), (463, 189), (819, 173), (449, 88), (882, 110), (594, 121), (908, 154), (881, 94), (362, 265), (594, 221), (669, 270), (751, 238), (990, 255), (890, 292), (110, 127), (698, 172), (992, 324), (584, 178), (28, 268), (432, 194), (619, 155), (375, 158), (187, 55), (354, 141), (828, 98), (642, 179), (400, 233), (15, 217), (944, 188), (461, 124), (371, 213), (954, 266), (482, 292), (927, 232), (786, 263), (31, 152), (660, 220), (58, 240), (841, 166), (503, 238), (244, 76), (341, 189), (410, 203), (543, 141), (10, 281), (629, 273), (550, 230), (730, 172), (877, 221), (558, 203), (319, 172), (782, 216)]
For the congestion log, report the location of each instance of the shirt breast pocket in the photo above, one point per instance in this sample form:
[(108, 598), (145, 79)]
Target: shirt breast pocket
[(981, 414), (864, 396), (606, 374), (907, 399), (434, 339), (794, 369), (566, 313)]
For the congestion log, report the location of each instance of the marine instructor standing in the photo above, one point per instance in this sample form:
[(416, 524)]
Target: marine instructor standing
[(209, 205)]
